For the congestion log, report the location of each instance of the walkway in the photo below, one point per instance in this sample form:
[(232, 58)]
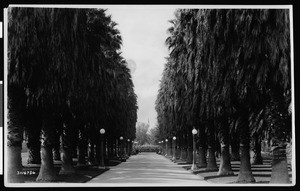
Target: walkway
[(148, 169)]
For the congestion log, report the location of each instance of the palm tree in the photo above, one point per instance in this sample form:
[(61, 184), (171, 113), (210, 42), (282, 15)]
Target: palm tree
[(47, 172), (211, 144), (240, 61), (223, 129), (33, 130), (264, 57), (68, 129), (80, 76), (15, 133)]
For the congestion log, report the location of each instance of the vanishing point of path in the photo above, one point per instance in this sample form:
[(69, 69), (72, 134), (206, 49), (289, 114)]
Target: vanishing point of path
[(148, 169)]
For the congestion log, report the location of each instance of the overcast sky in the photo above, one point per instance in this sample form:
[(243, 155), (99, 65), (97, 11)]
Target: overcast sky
[(144, 31)]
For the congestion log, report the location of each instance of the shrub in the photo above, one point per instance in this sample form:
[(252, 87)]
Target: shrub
[(147, 148)]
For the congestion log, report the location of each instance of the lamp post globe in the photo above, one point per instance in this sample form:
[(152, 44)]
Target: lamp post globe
[(102, 131), (194, 131)]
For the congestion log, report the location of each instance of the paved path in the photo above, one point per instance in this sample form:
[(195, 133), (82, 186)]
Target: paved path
[(148, 169)]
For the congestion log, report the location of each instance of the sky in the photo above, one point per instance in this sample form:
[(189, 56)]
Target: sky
[(144, 31)]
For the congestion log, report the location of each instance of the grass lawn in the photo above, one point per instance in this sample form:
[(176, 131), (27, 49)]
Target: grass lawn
[(83, 174)]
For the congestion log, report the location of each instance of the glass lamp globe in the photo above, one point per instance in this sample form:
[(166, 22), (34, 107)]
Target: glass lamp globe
[(194, 131), (102, 131)]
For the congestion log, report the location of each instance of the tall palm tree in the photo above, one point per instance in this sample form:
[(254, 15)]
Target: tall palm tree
[(63, 62), (264, 58), (33, 130), (15, 126), (234, 63)]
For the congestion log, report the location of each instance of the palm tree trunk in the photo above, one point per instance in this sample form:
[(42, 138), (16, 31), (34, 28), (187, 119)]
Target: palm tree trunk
[(169, 145), (280, 173), (235, 154), (189, 158), (98, 150), (245, 173), (74, 141), (280, 122), (116, 148), (256, 148), (105, 149), (183, 147), (177, 147), (81, 148), (225, 165), (211, 158), (235, 146), (34, 145), (91, 153), (56, 147), (234, 142), (14, 164), (56, 153), (33, 129), (111, 152), (173, 150), (202, 163), (47, 172), (66, 151), (14, 136), (34, 155), (218, 146)]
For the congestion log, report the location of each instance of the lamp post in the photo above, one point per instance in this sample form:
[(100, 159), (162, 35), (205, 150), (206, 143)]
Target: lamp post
[(131, 147), (158, 147), (174, 149), (102, 132), (121, 147), (194, 132), (128, 143), (166, 147), (162, 147)]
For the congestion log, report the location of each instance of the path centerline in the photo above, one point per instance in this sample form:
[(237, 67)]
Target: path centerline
[(148, 169)]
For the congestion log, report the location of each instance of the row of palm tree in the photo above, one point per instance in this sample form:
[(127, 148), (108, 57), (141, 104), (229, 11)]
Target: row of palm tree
[(228, 75), (66, 81)]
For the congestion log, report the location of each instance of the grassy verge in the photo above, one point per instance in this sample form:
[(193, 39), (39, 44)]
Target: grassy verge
[(83, 174)]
